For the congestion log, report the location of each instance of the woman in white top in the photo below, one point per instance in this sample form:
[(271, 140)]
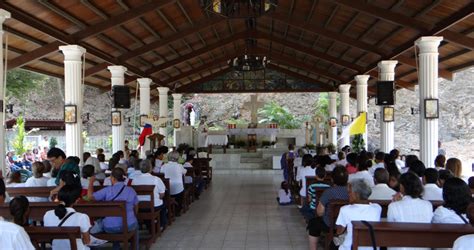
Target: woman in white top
[(307, 170), (65, 215), (456, 196), (409, 206), (37, 180), (13, 236), (175, 172)]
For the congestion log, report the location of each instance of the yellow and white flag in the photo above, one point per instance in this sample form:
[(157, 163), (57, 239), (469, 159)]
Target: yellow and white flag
[(356, 127)]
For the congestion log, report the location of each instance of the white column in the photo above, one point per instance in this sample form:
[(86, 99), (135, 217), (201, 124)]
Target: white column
[(118, 132), (176, 114), (163, 93), (3, 15), (73, 96), (387, 129), (362, 100), (344, 91), (144, 103), (428, 87), (332, 114), (144, 95)]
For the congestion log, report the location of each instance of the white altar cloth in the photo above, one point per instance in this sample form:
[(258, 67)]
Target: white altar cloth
[(219, 140), (256, 131)]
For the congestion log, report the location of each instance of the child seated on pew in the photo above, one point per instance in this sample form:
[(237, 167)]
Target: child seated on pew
[(37, 180), (87, 172), (65, 215), (20, 210), (308, 211), (284, 195)]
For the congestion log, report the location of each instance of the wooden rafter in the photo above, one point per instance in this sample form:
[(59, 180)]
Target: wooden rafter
[(322, 87), (204, 79)]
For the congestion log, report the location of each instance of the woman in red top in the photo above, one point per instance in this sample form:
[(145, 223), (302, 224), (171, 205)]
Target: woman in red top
[(351, 165)]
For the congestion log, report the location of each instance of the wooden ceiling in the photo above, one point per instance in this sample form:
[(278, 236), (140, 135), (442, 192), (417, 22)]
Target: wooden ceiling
[(177, 44)]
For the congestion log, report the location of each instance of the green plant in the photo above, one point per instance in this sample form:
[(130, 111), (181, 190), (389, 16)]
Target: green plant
[(310, 146), (18, 142), (53, 142), (20, 82), (274, 113), (358, 143), (236, 121)]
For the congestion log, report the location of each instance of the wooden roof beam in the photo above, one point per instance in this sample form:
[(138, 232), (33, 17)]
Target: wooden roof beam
[(34, 55), (406, 21), (165, 41)]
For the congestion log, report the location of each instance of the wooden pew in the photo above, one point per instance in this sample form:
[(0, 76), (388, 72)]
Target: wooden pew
[(206, 170), (319, 190), (40, 235), (146, 211), (94, 210), (398, 234), (335, 207), (169, 202)]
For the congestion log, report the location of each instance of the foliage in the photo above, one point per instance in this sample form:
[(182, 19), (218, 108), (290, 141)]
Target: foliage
[(53, 142), (274, 113), (21, 82), (109, 143), (358, 143), (310, 146), (19, 144), (322, 105), (236, 121)]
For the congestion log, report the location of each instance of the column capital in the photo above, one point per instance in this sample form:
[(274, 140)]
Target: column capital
[(163, 90), (362, 79), (387, 66), (344, 88), (3, 16), (177, 96), (117, 70), (72, 52), (144, 82), (429, 44)]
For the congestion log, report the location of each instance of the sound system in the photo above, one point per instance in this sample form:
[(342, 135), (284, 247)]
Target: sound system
[(121, 96), (385, 93)]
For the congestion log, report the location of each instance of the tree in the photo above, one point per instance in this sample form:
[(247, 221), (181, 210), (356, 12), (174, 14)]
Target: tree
[(20, 82), (19, 142), (358, 143), (274, 113), (53, 142)]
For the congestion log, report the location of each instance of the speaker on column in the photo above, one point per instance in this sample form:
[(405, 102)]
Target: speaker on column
[(385, 93), (121, 95)]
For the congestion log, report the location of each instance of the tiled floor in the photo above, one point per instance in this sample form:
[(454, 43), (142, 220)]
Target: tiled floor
[(238, 211)]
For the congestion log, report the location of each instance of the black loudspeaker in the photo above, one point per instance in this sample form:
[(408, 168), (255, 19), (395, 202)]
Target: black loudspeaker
[(385, 93), (121, 95)]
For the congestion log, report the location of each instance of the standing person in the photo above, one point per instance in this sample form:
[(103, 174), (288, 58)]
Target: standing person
[(37, 180), (117, 192), (175, 172), (284, 161), (358, 210), (146, 178), (65, 215)]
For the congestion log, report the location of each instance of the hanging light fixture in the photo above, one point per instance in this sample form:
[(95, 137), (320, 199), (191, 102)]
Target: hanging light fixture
[(239, 8)]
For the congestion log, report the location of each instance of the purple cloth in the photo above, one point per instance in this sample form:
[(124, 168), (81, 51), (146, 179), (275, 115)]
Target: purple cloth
[(128, 194)]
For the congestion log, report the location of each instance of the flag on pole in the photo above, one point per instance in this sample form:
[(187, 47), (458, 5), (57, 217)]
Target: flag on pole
[(356, 127), (147, 130)]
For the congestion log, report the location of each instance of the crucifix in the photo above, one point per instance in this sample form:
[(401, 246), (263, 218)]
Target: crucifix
[(253, 106)]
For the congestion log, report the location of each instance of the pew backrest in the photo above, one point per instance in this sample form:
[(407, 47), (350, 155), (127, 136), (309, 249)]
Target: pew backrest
[(47, 234), (400, 234)]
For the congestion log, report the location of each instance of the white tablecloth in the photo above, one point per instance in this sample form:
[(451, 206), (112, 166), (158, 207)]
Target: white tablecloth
[(256, 131), (219, 140)]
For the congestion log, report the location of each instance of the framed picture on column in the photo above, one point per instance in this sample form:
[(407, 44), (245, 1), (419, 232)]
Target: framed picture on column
[(70, 114), (388, 114), (176, 123), (431, 109), (116, 117)]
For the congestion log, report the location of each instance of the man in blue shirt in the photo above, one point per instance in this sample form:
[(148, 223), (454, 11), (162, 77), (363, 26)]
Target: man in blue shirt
[(117, 192)]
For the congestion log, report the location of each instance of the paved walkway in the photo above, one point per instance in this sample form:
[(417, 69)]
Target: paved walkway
[(238, 211)]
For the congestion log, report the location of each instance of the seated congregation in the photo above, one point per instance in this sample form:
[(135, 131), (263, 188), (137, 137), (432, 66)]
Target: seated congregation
[(366, 199), (128, 201)]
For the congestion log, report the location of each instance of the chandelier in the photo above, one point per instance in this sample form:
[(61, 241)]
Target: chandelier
[(249, 63), (239, 8)]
